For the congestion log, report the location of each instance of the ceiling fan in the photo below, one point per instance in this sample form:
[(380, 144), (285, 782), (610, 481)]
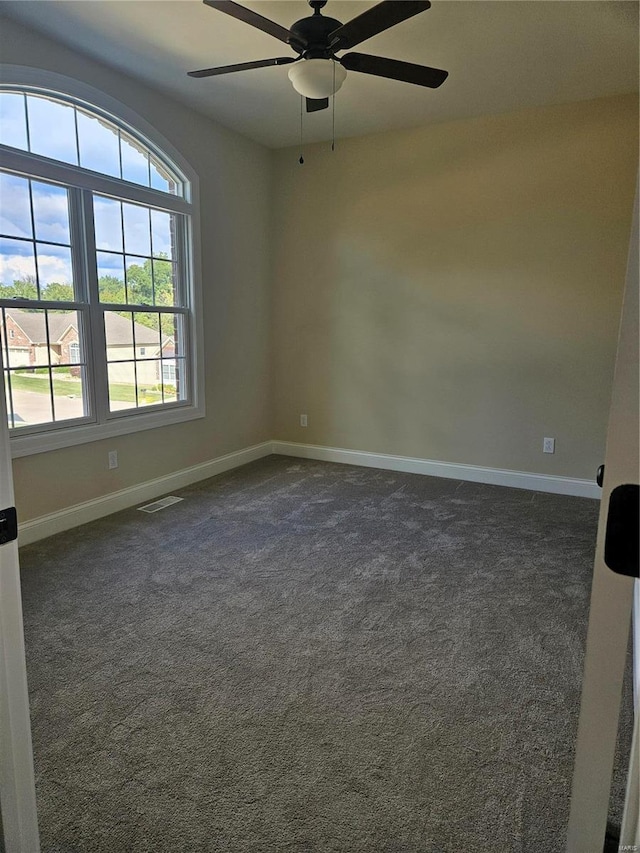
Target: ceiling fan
[(316, 72)]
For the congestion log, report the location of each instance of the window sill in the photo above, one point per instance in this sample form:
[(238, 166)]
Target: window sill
[(27, 445)]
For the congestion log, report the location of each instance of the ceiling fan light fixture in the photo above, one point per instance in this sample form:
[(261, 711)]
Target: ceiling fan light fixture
[(317, 78)]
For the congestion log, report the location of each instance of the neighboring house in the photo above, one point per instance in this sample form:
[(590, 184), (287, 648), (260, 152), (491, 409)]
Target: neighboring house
[(26, 345)]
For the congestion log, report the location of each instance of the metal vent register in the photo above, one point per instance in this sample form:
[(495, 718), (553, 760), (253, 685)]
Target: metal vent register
[(161, 504)]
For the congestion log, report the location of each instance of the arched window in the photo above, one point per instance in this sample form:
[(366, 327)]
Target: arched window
[(96, 292)]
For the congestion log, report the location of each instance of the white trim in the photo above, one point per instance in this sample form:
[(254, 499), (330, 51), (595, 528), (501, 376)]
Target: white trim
[(73, 516), (41, 78), (636, 646), (17, 786), (471, 473), (25, 163), (57, 522), (56, 439), (67, 434)]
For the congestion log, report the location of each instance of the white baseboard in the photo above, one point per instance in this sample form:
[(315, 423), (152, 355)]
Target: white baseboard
[(471, 473), (73, 516), (57, 522)]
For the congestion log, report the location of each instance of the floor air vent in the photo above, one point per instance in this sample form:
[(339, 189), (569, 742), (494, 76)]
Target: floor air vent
[(161, 504)]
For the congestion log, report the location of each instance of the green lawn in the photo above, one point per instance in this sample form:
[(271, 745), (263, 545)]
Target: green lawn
[(66, 387)]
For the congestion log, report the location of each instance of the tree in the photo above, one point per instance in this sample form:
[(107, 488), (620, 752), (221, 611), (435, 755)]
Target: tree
[(25, 288), (57, 292), (111, 289), (151, 283)]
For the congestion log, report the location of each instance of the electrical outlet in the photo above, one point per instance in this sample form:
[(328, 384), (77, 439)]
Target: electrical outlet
[(113, 459), (303, 420), (549, 445)]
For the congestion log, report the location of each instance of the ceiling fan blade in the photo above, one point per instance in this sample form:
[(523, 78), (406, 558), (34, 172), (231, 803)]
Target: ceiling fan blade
[(315, 104), (394, 69), (242, 66), (375, 20), (256, 20)]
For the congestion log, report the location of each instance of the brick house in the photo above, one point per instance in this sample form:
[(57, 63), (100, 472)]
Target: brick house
[(24, 344)]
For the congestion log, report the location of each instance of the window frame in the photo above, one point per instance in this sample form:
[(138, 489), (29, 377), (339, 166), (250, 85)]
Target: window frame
[(26, 164)]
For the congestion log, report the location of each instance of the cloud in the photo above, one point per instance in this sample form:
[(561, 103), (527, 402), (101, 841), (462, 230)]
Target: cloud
[(50, 208), (13, 126), (108, 215), (16, 267), (15, 212), (50, 267), (55, 267)]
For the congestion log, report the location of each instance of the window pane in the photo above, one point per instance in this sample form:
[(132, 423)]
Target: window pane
[(173, 360), (17, 269), (54, 268), (107, 218), (139, 281), (51, 213), (51, 372), (52, 129), (98, 144), (14, 419), (64, 337), (68, 393), (169, 381), (147, 334), (122, 386), (163, 282), (16, 356), (119, 336), (31, 395), (169, 324), (161, 234), (160, 178), (135, 161), (13, 122), (133, 347), (149, 383), (15, 342), (111, 277), (61, 131), (169, 370), (4, 334), (181, 378), (137, 234), (15, 207)]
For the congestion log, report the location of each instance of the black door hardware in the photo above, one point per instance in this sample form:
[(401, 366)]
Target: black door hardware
[(600, 475), (622, 537), (8, 525)]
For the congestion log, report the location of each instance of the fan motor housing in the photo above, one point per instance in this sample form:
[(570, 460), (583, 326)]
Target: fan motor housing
[(315, 31)]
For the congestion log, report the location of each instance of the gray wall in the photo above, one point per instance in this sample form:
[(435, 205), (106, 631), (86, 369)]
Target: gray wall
[(453, 292), (235, 195)]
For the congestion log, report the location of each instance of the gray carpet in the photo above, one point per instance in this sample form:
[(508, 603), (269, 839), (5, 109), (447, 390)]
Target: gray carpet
[(310, 657)]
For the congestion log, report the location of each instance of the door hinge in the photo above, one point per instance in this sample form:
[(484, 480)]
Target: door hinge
[(8, 525), (621, 542)]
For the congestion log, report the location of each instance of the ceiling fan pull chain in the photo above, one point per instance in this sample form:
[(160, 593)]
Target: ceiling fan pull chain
[(333, 109), (301, 160)]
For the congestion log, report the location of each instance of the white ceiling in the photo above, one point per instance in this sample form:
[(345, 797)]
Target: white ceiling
[(501, 55)]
